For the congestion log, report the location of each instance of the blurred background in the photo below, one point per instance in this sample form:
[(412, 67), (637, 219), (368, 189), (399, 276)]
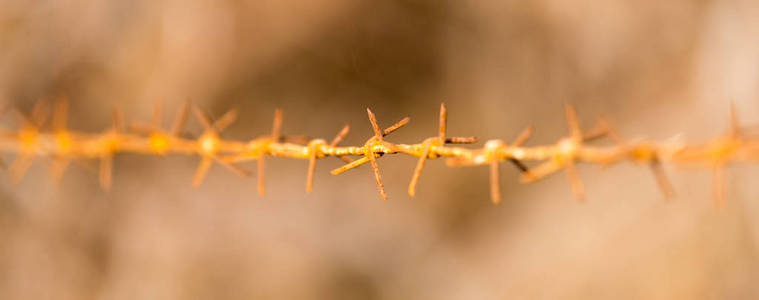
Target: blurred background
[(659, 69)]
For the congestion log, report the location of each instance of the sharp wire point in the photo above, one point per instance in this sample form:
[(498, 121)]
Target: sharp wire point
[(518, 142), (60, 114), (443, 122), (156, 122), (574, 179), (599, 130), (495, 182), (261, 177), (180, 119), (418, 170), (340, 136), (106, 171), (117, 120), (613, 133), (575, 132), (351, 165), (662, 180), (375, 126), (311, 170), (541, 171), (233, 167), (203, 118), (377, 175), (39, 113), (276, 128), (396, 126), (227, 119), (523, 137), (202, 171)]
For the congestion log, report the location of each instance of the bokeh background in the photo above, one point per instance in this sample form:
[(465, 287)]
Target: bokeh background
[(659, 69)]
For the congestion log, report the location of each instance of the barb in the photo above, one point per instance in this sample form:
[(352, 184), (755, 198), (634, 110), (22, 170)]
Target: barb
[(33, 139), (276, 131), (210, 145), (438, 141), (28, 137), (642, 153)]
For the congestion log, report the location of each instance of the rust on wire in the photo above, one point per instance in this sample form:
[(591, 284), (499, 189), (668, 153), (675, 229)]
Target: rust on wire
[(37, 138)]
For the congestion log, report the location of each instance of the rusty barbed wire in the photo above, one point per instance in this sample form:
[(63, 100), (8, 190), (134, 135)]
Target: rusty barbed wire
[(34, 138)]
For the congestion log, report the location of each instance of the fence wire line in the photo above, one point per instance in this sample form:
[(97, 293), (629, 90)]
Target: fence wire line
[(36, 137)]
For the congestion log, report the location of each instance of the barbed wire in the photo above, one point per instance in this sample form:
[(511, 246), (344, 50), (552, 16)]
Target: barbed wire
[(35, 138)]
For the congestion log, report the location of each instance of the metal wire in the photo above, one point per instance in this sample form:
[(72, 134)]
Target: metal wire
[(34, 139)]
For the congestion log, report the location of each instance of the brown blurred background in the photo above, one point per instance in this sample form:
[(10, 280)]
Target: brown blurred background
[(659, 69)]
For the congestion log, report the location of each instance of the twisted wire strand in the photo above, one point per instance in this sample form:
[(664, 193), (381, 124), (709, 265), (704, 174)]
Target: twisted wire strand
[(35, 139)]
